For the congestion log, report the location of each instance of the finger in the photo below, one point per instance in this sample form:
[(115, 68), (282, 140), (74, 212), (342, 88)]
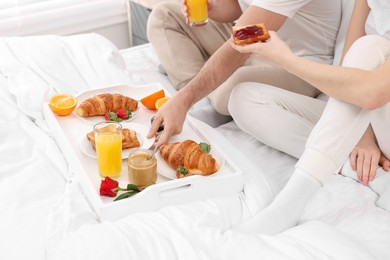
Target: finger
[(242, 48), (366, 169), (184, 9), (273, 34), (374, 165), (359, 166), (386, 165), (384, 162), (352, 159), (168, 132)]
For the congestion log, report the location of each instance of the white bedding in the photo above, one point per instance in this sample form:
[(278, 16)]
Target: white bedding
[(44, 214)]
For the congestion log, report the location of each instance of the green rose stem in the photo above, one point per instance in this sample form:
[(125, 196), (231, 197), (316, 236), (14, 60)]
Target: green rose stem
[(131, 189)]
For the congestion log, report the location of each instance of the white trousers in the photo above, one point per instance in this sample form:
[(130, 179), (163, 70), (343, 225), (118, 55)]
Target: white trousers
[(276, 117), (342, 125)]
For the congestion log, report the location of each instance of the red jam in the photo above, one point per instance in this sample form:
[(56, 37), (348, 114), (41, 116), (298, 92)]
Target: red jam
[(248, 32)]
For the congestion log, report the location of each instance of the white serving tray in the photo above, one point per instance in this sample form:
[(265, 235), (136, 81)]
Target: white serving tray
[(69, 132)]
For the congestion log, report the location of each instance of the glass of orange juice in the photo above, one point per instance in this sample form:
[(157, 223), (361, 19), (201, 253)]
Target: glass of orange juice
[(197, 12), (108, 141)]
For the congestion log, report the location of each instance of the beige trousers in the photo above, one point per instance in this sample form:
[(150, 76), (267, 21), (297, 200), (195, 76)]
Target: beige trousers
[(183, 50)]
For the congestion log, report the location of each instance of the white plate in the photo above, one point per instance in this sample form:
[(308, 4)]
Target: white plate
[(141, 131), (165, 170), (96, 119)]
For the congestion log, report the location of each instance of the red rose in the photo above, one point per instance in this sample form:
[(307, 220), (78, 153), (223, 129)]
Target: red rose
[(106, 187)]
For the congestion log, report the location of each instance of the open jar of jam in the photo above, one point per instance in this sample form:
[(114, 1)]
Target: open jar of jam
[(142, 167)]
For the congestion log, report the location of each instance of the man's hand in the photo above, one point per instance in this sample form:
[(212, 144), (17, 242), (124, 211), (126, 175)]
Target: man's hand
[(184, 10), (223, 11), (172, 115)]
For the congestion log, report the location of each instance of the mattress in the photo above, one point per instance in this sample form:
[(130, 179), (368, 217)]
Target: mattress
[(45, 214)]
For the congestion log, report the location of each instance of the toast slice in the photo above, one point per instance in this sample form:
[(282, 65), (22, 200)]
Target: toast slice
[(248, 34), (129, 139)]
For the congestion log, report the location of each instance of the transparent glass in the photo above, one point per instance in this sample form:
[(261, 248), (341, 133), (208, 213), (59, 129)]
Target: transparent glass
[(108, 141), (142, 167), (197, 12)]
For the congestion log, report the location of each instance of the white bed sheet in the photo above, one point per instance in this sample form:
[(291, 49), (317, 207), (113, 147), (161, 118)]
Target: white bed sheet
[(46, 216)]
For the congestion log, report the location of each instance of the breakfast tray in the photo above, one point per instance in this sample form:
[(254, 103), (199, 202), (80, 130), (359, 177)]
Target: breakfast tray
[(70, 132)]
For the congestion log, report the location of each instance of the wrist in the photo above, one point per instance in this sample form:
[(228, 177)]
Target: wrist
[(185, 98), (288, 61)]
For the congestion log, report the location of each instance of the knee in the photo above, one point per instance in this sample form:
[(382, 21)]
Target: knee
[(237, 99), (159, 14), (377, 47), (249, 96), (220, 97)]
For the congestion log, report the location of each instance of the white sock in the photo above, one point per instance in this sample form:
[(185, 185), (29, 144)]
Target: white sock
[(286, 209)]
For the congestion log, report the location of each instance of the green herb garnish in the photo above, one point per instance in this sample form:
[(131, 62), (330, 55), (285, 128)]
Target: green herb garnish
[(205, 147)]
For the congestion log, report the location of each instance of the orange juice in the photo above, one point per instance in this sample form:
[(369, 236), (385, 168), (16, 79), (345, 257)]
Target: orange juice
[(197, 12), (109, 148)]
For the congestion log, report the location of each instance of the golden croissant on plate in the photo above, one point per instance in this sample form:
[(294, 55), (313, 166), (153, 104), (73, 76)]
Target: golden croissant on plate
[(100, 104), (129, 138), (188, 158)]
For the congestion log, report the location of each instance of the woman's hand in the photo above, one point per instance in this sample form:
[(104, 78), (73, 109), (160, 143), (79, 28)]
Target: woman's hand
[(365, 160), (384, 162), (273, 50), (366, 157)]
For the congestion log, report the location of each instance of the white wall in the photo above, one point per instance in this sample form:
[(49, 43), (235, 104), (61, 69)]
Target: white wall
[(66, 17)]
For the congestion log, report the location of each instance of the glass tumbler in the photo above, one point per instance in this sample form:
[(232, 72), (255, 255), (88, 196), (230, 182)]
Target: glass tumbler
[(197, 12), (108, 142), (142, 167)]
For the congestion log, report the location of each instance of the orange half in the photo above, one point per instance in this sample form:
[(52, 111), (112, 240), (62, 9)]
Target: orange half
[(160, 102), (150, 100), (62, 104)]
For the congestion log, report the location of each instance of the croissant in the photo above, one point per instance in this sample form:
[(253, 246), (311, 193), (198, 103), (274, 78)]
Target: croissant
[(129, 138), (188, 154), (101, 104)]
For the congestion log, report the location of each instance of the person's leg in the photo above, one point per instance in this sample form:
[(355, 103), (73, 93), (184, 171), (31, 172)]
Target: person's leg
[(381, 126), (332, 139), (276, 117), (263, 73), (182, 49)]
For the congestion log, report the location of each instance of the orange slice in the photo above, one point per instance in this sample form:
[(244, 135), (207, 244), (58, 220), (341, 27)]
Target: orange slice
[(160, 102), (62, 104), (150, 100)]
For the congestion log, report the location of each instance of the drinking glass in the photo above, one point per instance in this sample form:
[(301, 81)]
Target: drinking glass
[(197, 12), (142, 167), (108, 141)]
